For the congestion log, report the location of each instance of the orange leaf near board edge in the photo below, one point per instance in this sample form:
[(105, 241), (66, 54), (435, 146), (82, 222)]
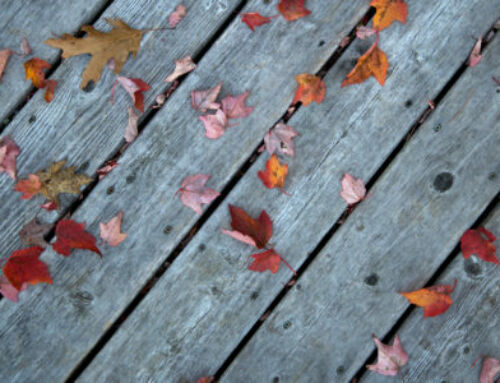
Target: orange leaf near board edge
[(435, 299), (388, 11), (372, 63), (311, 88), (275, 174)]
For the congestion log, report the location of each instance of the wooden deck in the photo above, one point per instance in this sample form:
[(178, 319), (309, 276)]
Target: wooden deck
[(175, 301)]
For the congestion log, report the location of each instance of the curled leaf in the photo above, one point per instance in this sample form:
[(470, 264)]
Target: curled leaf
[(8, 156), (372, 63), (234, 106), (182, 66), (134, 87), (215, 124), (353, 190), (204, 100)]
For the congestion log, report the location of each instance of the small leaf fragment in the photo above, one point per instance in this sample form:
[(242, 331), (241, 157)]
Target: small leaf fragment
[(388, 11), (110, 165), (215, 124), (490, 369), (8, 291), (110, 231), (363, 32), (177, 15), (131, 131), (194, 193), (24, 266), (72, 235), (435, 299), (475, 55), (182, 66), (479, 242), (4, 57), (8, 156), (311, 88), (293, 9), (234, 106), (372, 63), (390, 359), (353, 190), (204, 100), (254, 19), (275, 174), (134, 87), (25, 47)]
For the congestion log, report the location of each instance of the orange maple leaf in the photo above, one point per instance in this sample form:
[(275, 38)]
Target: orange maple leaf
[(29, 187), (34, 71), (311, 88), (435, 299), (372, 63), (388, 11), (275, 174), (293, 9)]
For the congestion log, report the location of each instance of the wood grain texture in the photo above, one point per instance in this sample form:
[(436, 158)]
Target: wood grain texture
[(443, 349), (37, 21), (88, 295), (200, 309), (393, 241)]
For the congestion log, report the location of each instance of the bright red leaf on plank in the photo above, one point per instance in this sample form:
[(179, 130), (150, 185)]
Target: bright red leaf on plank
[(29, 187), (479, 242), (24, 266), (8, 154), (204, 100), (390, 359), (177, 16), (372, 63), (4, 57), (34, 71), (134, 87), (255, 232), (234, 106), (311, 88), (72, 235), (110, 231), (275, 174), (475, 55), (293, 9), (279, 139), (194, 193), (268, 260), (353, 190), (388, 11), (254, 19), (182, 66), (215, 124), (131, 131), (490, 369), (435, 300), (9, 291)]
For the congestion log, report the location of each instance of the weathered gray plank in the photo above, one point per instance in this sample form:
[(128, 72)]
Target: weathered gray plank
[(197, 313), (87, 294), (443, 349), (394, 241), (36, 21)]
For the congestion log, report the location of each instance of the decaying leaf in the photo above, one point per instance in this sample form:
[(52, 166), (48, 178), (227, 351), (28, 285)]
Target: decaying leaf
[(279, 139), (34, 71), (311, 88), (390, 359), (353, 190), (275, 174), (33, 233), (475, 55), (24, 266), (8, 156), (388, 11), (8, 291), (134, 87), (4, 57), (293, 9), (435, 300), (204, 100), (254, 19), (131, 130), (116, 44), (372, 63), (234, 106), (177, 16), (490, 369), (182, 66), (29, 187), (110, 231), (479, 242), (25, 47), (194, 193), (110, 165), (255, 232), (49, 206), (363, 32), (215, 124), (72, 235)]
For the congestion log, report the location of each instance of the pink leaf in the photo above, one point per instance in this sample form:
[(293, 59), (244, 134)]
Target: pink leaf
[(234, 106), (25, 47), (215, 124), (182, 66), (193, 192), (134, 87), (8, 154), (131, 130), (203, 100), (364, 32), (491, 367), (9, 291), (110, 165), (111, 231), (49, 206), (254, 19), (390, 359), (279, 139), (4, 57), (475, 56), (240, 237), (353, 190), (177, 16)]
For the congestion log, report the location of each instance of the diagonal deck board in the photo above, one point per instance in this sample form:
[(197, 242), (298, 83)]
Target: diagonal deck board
[(88, 295), (394, 241), (207, 300), (36, 21), (444, 348)]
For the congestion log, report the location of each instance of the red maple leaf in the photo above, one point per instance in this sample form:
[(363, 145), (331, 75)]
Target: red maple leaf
[(293, 9), (255, 19), (72, 235), (23, 266), (479, 242), (258, 230)]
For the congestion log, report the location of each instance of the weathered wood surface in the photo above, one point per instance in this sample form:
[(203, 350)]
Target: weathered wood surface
[(37, 21), (207, 300), (88, 295), (393, 241), (444, 348)]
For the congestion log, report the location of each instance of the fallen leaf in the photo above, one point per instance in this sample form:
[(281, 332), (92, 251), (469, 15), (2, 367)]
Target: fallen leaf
[(50, 86), (490, 369), (8, 154), (182, 66), (279, 139), (268, 260), (25, 47), (311, 88), (4, 57), (8, 291), (479, 242), (23, 266), (353, 190), (193, 192), (32, 233), (363, 32), (388, 11), (435, 300), (49, 206), (255, 232), (110, 165), (475, 55), (206, 379), (293, 9), (254, 19), (203, 100), (116, 44), (177, 16), (234, 106), (29, 187), (131, 131), (372, 63), (215, 124), (72, 235), (275, 174), (110, 231), (34, 71), (390, 359), (134, 87)]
